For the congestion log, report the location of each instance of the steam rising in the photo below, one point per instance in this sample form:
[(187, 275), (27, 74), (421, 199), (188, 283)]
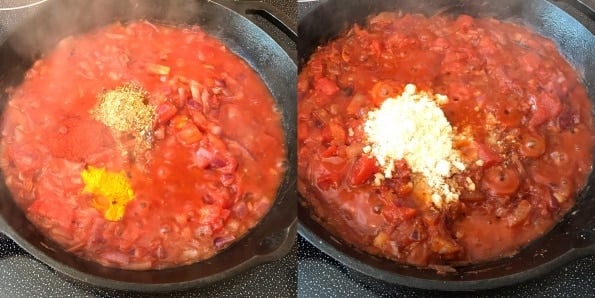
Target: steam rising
[(55, 20), (59, 19), (17, 7), (332, 17), (573, 39)]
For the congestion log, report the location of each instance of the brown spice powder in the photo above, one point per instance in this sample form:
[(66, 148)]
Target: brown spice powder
[(125, 110)]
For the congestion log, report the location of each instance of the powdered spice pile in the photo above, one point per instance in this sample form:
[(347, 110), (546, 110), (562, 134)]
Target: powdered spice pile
[(125, 110), (72, 138), (412, 127)]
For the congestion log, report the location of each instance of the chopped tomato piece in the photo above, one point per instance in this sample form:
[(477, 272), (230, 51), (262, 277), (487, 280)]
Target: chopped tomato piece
[(545, 107), (330, 151), (302, 85), (47, 208), (302, 131), (363, 168), (397, 214), (337, 133), (321, 116), (326, 182), (178, 122), (198, 118), (216, 142), (530, 61), (165, 112), (189, 134), (376, 47), (487, 46), (356, 104), (326, 86)]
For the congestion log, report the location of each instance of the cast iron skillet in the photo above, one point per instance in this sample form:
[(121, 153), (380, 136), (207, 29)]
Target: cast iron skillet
[(272, 238), (572, 238)]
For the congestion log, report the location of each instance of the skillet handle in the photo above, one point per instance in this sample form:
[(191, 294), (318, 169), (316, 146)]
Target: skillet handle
[(277, 245), (250, 8), (588, 7), (582, 10)]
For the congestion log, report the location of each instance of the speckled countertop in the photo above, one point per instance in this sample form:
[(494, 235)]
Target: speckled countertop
[(23, 276), (319, 275)]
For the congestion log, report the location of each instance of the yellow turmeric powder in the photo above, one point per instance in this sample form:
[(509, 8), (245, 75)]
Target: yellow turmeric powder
[(111, 190)]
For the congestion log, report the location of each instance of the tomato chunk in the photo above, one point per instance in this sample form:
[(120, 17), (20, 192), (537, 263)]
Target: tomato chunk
[(326, 86), (330, 151), (545, 107), (363, 168), (165, 112), (397, 214), (189, 134), (62, 216), (337, 133)]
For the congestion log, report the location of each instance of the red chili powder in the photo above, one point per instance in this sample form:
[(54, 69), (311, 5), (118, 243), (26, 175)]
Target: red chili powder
[(75, 138)]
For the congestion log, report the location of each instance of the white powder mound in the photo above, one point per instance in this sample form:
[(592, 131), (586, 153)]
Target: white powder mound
[(414, 128)]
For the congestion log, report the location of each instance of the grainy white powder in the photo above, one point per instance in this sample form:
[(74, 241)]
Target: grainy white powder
[(412, 127)]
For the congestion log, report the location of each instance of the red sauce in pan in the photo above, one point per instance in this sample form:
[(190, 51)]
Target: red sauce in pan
[(205, 172), (524, 111)]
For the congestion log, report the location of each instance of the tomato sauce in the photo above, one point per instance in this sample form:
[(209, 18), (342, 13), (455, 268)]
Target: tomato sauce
[(525, 113), (210, 172)]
